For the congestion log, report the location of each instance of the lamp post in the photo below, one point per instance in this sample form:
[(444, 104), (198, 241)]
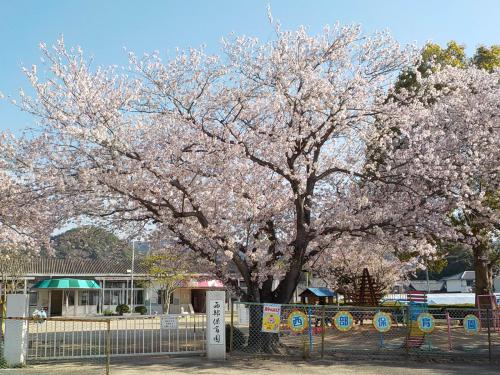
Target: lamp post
[(132, 278)]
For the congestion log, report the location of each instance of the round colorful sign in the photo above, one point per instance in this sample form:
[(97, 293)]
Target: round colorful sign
[(297, 321), (343, 321), (472, 324), (382, 321), (425, 322)]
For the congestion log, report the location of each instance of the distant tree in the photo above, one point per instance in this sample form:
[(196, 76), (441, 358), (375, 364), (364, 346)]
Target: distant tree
[(168, 270), (475, 216), (90, 242), (431, 58), (487, 58), (342, 270)]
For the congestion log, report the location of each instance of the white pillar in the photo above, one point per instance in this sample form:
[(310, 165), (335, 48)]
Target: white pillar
[(216, 325), (16, 331)]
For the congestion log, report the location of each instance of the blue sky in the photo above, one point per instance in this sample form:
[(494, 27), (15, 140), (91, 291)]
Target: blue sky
[(103, 27)]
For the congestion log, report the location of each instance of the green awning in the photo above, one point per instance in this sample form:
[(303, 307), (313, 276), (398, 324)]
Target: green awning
[(66, 284)]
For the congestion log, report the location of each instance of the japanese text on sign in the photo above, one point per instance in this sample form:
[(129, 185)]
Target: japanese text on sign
[(169, 322), (343, 321), (271, 318), (297, 321), (472, 325), (216, 317), (425, 322), (382, 321)]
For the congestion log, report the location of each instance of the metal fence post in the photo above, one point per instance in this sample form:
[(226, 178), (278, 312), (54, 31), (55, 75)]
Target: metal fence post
[(231, 328), (323, 328), (488, 319), (108, 345), (448, 322)]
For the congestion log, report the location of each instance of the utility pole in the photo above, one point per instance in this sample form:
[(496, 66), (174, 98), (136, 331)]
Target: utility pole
[(132, 278), (427, 276)]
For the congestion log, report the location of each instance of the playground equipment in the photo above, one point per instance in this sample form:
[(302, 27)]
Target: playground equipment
[(366, 291), (417, 304), (488, 311)]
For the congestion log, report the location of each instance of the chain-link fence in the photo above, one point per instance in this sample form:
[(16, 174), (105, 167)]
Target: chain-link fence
[(315, 330)]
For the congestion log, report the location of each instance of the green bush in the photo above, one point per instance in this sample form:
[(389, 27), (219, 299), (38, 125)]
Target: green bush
[(122, 309), (238, 338), (108, 312), (141, 310)]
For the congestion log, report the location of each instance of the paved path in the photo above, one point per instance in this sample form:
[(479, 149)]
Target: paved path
[(251, 366)]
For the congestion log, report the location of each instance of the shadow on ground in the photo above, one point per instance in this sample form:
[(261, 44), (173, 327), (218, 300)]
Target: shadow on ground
[(255, 365)]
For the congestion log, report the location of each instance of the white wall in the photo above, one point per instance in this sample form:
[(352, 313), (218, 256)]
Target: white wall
[(453, 286), (496, 284)]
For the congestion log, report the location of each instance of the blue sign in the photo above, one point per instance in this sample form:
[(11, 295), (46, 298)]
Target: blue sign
[(425, 322), (472, 324), (382, 321), (343, 321)]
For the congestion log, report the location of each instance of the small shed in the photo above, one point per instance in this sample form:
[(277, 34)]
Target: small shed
[(317, 296)]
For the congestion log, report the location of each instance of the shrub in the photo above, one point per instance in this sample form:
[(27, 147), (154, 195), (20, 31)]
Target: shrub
[(122, 309), (238, 338), (108, 312), (141, 310)]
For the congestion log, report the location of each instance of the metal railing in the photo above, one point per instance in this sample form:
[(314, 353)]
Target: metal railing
[(65, 338), (351, 329)]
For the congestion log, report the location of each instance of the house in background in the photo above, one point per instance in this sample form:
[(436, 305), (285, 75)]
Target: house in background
[(435, 286), (461, 282), (112, 286)]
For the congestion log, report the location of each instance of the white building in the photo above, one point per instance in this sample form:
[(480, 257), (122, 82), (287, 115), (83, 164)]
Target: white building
[(114, 279), (462, 282)]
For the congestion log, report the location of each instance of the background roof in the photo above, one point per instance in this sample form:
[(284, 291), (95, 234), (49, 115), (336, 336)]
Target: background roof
[(57, 266)]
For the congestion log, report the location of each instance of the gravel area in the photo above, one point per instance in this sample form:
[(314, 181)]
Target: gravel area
[(250, 366)]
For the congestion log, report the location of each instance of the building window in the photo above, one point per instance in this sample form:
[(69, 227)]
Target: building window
[(138, 297), (33, 298), (107, 297), (70, 295), (83, 298), (93, 297)]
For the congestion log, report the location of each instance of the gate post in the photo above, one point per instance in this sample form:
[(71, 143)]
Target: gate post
[(216, 325), (16, 331)]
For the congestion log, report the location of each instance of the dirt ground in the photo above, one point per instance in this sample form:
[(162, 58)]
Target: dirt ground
[(243, 366)]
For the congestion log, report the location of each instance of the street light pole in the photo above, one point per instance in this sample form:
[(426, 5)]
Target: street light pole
[(132, 277)]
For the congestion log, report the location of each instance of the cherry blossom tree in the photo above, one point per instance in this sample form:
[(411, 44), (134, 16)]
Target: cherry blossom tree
[(342, 268), (255, 158), (26, 221), (445, 144)]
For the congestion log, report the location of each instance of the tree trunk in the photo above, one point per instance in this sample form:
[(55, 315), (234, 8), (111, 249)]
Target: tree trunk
[(483, 270), (258, 341), (166, 301)]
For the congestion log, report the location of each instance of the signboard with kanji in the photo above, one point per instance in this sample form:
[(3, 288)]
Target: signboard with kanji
[(343, 321), (216, 315), (426, 322), (169, 322), (382, 322), (271, 318), (472, 324), (297, 321), (243, 314)]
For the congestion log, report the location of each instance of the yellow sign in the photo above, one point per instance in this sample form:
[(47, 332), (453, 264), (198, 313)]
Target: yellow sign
[(425, 322), (271, 318), (297, 321), (472, 324), (382, 321), (343, 321)]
